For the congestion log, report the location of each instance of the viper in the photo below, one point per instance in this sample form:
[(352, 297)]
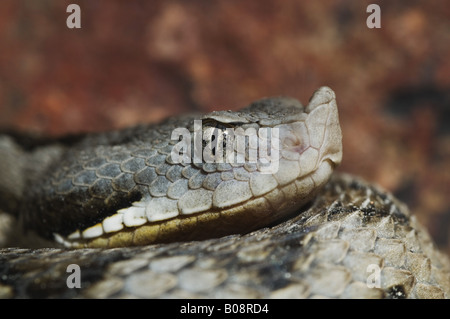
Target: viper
[(303, 231)]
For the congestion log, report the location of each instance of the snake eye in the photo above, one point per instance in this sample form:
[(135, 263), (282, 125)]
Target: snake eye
[(215, 132)]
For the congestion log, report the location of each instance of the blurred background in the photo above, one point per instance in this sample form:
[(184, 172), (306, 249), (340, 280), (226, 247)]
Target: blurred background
[(141, 61)]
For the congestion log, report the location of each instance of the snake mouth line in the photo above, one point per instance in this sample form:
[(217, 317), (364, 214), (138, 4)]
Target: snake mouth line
[(240, 218)]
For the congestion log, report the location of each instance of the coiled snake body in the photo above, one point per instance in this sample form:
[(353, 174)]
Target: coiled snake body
[(289, 232)]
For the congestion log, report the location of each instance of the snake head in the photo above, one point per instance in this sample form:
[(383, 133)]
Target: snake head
[(126, 188)]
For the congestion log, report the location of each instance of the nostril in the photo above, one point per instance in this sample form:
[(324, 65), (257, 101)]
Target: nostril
[(289, 142), (294, 144)]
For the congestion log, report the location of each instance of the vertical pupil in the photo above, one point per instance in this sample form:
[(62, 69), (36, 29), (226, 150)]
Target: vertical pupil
[(218, 135)]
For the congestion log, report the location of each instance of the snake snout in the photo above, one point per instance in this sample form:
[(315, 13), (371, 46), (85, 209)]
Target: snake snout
[(323, 126)]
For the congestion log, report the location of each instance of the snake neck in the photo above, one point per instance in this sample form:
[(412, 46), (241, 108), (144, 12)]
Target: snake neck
[(20, 165)]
